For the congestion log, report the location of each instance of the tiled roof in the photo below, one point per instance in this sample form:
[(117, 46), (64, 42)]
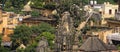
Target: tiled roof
[(93, 44)]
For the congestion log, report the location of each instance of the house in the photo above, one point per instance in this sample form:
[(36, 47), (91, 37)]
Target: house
[(101, 32), (107, 10), (93, 44)]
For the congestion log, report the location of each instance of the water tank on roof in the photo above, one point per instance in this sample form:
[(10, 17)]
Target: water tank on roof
[(20, 18), (93, 2)]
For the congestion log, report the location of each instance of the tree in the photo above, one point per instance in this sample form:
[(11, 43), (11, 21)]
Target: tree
[(49, 36), (31, 47), (37, 3), (22, 35), (14, 5), (35, 13), (3, 49), (47, 4), (18, 3), (43, 27)]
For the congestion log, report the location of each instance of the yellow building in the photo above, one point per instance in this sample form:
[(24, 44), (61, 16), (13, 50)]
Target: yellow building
[(107, 10), (7, 22), (101, 32)]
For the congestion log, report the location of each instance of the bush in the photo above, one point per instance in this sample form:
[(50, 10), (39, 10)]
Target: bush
[(51, 6), (35, 13)]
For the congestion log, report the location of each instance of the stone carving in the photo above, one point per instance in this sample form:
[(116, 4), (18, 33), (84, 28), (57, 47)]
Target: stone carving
[(65, 32)]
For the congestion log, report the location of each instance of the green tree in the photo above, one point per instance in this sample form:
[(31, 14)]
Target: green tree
[(3, 49), (22, 35), (31, 47), (35, 13), (49, 36), (37, 3), (43, 27), (14, 5)]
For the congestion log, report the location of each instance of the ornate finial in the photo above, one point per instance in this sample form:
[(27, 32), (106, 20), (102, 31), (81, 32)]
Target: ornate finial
[(29, 3), (27, 7)]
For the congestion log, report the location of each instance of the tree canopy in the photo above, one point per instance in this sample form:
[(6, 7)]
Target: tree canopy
[(22, 35)]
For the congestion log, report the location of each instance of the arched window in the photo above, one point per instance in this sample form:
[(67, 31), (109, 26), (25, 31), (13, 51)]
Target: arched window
[(100, 12), (110, 11), (115, 11)]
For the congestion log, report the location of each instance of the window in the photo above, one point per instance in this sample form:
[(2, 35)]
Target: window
[(3, 30), (115, 11), (110, 11), (100, 12)]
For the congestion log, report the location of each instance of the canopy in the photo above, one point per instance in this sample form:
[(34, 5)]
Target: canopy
[(114, 36)]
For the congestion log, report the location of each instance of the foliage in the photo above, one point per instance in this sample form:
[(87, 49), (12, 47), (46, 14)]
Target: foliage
[(43, 4), (14, 5), (31, 48), (118, 46), (18, 3), (3, 49), (37, 3), (20, 50), (43, 27), (35, 13), (49, 36), (51, 6), (22, 35)]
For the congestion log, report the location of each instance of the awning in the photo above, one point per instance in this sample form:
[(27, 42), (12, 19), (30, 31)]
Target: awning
[(114, 36)]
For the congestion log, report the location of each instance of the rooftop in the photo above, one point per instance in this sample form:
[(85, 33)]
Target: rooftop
[(40, 18), (93, 44), (112, 20)]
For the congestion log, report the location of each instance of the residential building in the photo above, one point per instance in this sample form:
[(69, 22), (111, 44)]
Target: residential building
[(101, 32), (107, 10)]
